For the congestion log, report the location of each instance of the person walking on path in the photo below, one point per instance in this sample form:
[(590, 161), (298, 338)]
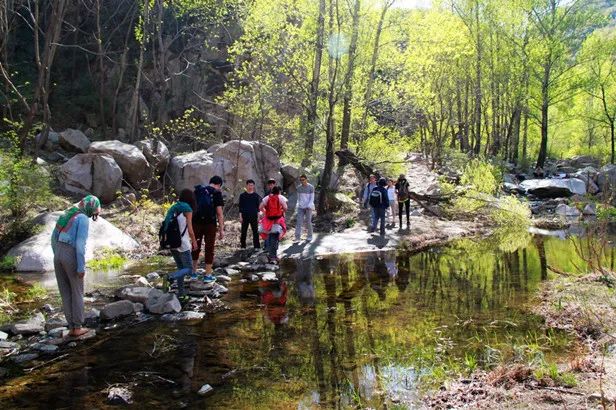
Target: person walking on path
[(269, 185), (249, 212), (209, 212), (379, 204), (391, 196), (68, 243), (273, 226), (305, 207), (182, 210), (404, 199), (366, 194)]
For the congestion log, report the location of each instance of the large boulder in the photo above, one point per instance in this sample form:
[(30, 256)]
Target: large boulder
[(186, 171), (35, 254), (160, 303), (131, 160), (606, 178), (96, 174), (235, 161), (156, 153), (74, 140), (582, 161), (117, 309), (554, 188), (136, 294)]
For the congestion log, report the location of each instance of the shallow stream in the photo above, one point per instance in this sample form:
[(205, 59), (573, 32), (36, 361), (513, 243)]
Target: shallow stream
[(373, 330)]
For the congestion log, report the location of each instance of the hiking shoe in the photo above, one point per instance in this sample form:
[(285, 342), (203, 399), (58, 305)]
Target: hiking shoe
[(209, 278)]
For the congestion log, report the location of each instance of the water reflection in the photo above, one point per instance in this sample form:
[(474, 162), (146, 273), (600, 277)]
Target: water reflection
[(361, 330)]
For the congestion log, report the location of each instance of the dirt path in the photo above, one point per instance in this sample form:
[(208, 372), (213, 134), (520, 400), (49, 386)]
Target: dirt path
[(424, 230)]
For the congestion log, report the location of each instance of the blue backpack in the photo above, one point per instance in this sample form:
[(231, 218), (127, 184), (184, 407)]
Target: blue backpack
[(205, 204)]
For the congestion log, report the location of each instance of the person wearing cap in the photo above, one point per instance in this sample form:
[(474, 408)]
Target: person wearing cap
[(379, 203), (271, 183), (404, 199), (207, 221)]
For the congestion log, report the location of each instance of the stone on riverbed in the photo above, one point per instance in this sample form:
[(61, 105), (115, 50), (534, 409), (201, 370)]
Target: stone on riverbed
[(268, 276), (136, 294), (55, 322), (566, 210), (554, 188), (26, 357), (223, 278), (45, 348), (119, 395), (182, 316), (8, 345), (163, 303), (199, 285), (205, 389), (152, 276), (141, 281), (117, 309), (3, 336), (58, 332), (30, 326)]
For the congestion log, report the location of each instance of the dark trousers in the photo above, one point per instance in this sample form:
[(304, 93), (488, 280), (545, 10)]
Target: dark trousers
[(205, 233), (271, 244), (401, 205), (254, 225)]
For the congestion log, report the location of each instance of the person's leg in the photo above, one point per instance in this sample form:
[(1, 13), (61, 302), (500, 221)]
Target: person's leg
[(309, 223), (393, 212), (300, 221), (210, 242), (244, 231), (382, 216), (199, 234), (73, 287), (184, 263), (64, 285), (400, 208), (373, 219), (273, 245), (254, 224), (76, 296), (408, 212)]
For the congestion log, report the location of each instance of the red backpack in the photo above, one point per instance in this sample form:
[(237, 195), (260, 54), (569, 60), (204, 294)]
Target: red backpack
[(273, 208)]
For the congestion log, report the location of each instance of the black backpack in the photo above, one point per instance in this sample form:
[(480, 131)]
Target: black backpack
[(171, 238), (205, 204), (376, 198)]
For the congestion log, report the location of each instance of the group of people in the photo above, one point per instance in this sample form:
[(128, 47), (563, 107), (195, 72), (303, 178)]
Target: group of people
[(386, 195)]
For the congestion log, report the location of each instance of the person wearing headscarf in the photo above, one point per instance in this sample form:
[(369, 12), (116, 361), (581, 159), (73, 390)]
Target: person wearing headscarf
[(68, 242)]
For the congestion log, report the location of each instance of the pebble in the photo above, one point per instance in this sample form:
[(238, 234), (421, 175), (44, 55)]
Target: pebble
[(271, 267), (26, 357), (92, 314), (142, 281), (269, 277), (58, 332), (152, 276), (120, 395), (3, 335), (8, 345), (45, 348), (47, 308), (205, 389), (220, 289), (223, 278), (72, 344)]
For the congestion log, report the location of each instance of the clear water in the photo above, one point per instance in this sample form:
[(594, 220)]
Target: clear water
[(373, 330)]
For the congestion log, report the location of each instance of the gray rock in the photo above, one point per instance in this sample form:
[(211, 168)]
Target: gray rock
[(271, 267), (58, 332), (156, 153), (606, 178), (141, 281), (163, 303), (106, 178), (220, 288), (131, 160), (92, 314), (138, 307), (269, 277), (117, 309), (119, 395), (590, 209), (199, 285), (182, 316), (8, 345), (205, 389), (152, 276), (566, 210), (223, 278), (26, 357), (136, 293), (554, 188), (30, 326), (47, 308), (582, 161), (35, 254), (232, 272), (55, 323), (45, 348), (74, 140), (3, 335)]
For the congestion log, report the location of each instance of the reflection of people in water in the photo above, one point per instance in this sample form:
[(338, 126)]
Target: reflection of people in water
[(402, 279), (392, 268), (378, 277), (304, 282), (274, 297)]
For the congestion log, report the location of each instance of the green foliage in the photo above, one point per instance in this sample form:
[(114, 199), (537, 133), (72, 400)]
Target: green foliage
[(606, 212), (548, 374), (387, 155), (482, 176), (108, 260), (189, 129), (8, 263), (35, 292)]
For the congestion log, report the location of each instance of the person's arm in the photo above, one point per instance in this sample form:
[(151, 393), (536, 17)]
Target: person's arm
[(221, 222), (54, 240), (191, 231), (262, 206), (311, 199), (81, 237)]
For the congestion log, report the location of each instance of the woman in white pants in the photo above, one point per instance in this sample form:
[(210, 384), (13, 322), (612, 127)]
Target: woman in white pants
[(391, 195)]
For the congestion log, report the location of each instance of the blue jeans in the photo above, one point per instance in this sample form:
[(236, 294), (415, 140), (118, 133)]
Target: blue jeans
[(378, 213), (271, 244), (183, 260)]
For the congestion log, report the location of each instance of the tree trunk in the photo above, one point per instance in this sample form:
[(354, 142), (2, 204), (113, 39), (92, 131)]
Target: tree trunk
[(348, 81), (311, 120), (545, 108), (478, 83), (101, 68), (134, 105)]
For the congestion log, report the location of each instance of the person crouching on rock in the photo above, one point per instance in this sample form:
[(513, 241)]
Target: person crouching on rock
[(272, 225), (68, 242), (183, 211)]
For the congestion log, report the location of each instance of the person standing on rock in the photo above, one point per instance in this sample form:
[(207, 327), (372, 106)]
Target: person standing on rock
[(273, 226), (379, 204), (249, 214), (68, 242), (391, 196), (209, 211), (404, 199), (183, 211), (366, 194), (305, 207)]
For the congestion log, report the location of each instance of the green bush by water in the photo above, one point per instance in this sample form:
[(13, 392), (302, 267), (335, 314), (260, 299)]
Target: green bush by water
[(108, 260)]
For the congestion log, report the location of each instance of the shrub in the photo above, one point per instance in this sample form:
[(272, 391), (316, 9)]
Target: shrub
[(482, 176), (108, 260), (8, 264)]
